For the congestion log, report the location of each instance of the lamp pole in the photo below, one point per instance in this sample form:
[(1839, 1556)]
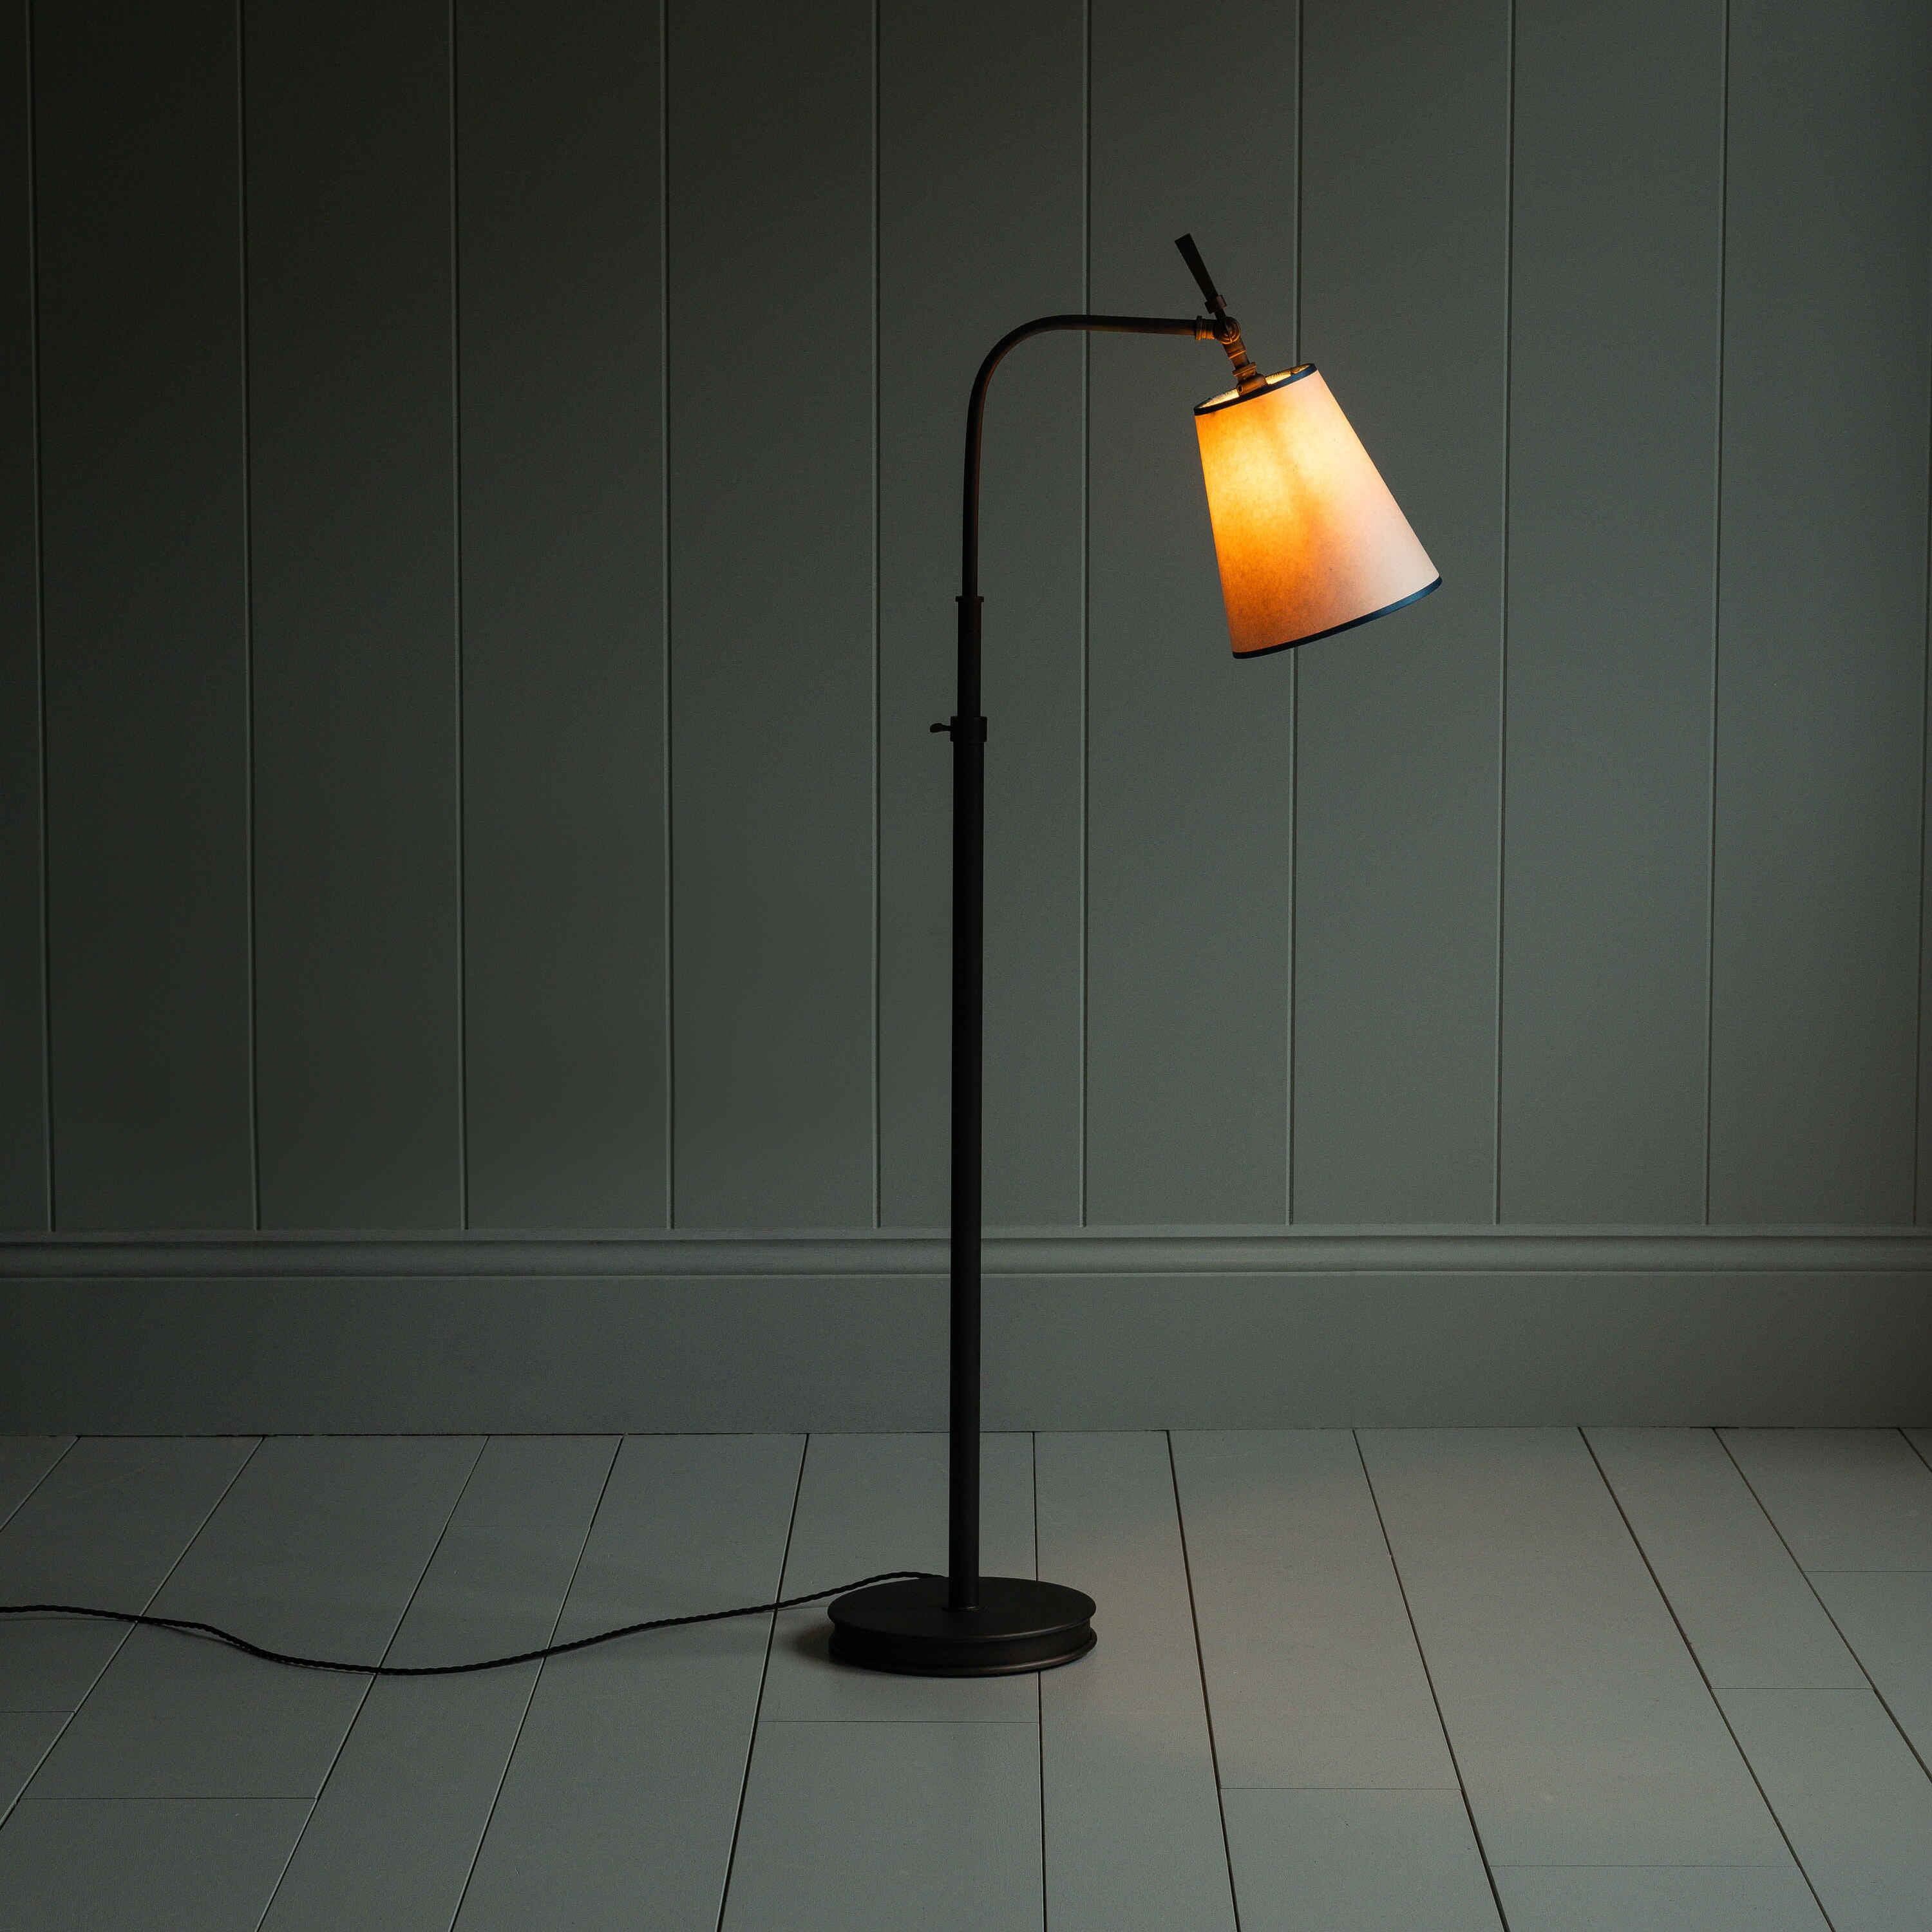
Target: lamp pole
[(964, 1624)]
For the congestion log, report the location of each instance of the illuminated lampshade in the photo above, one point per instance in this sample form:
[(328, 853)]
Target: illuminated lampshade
[(1309, 540)]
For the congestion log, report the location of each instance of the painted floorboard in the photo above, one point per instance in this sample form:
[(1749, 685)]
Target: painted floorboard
[(869, 1503), (1584, 1733), (316, 1548), (616, 1813), (105, 1527), (26, 1737), (874, 1827), (1886, 1618), (395, 1832), (1357, 1862), (1858, 1805), (1745, 1607), (1133, 1835), (25, 1461), (154, 1865), (1843, 1498), (1657, 1898), (1313, 1675)]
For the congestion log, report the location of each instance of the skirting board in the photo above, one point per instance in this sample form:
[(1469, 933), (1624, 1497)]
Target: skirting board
[(1083, 1330)]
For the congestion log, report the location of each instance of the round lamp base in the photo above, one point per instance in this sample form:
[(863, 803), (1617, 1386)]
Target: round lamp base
[(1018, 1625)]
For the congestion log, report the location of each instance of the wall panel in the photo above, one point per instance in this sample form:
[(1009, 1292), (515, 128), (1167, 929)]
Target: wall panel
[(1190, 754), (771, 395), (141, 386), (1404, 304), (353, 552), (559, 202), (24, 1195), (1613, 375), (1822, 643), (982, 215)]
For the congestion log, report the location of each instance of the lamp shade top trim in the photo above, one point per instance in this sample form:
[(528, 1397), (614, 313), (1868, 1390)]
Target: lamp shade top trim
[(1229, 398), (1336, 630)]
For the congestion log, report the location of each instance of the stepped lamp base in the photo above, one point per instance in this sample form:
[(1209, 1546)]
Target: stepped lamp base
[(1019, 1625)]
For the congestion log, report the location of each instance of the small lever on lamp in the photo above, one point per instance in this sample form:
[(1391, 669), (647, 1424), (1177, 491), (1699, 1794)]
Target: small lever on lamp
[(1227, 330)]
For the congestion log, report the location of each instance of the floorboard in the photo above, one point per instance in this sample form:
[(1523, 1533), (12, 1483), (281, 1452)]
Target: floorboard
[(1131, 1820), (1842, 1498), (1886, 1618), (25, 1461), (1357, 1862), (1685, 1676), (1584, 1733), (618, 1809), (25, 1738), (316, 1548), (867, 1827), (869, 1503), (1856, 1803), (105, 1527), (165, 1865), (1652, 1898), (1745, 1607), (1313, 1675), (396, 1831)]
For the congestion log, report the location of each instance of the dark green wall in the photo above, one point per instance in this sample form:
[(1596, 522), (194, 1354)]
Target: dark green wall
[(477, 524)]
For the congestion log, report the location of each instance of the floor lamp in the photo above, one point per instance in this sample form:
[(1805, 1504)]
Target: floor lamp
[(1310, 542)]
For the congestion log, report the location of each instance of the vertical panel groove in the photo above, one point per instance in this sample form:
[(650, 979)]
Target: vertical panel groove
[(456, 594), (39, 616), (1502, 589), (1294, 657), (1086, 554), (664, 418), (1716, 600), (1925, 856), (247, 614), (878, 1156)]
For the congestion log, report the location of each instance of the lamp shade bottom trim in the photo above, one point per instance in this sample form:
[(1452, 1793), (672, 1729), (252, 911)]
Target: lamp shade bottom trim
[(1336, 630), (1018, 1625)]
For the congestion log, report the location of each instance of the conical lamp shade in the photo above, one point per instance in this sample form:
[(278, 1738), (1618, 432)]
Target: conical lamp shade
[(1309, 540)]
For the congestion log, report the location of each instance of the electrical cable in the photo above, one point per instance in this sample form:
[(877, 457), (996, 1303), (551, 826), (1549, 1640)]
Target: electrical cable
[(188, 1626)]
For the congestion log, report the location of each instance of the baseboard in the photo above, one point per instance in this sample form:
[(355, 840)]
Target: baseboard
[(1084, 1329)]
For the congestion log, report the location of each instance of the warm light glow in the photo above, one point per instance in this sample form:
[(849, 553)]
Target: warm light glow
[(1309, 539)]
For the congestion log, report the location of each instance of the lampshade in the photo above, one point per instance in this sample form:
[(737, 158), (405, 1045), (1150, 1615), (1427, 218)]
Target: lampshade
[(1308, 539)]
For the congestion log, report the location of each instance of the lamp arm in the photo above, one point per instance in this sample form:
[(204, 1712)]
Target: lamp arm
[(1221, 328)]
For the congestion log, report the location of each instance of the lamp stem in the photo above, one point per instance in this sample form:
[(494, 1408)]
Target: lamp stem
[(969, 873)]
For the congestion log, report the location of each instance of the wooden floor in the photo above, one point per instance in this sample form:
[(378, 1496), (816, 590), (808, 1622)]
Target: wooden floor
[(1401, 1682)]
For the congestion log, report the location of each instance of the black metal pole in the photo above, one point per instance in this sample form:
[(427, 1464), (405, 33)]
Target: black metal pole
[(969, 1006)]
